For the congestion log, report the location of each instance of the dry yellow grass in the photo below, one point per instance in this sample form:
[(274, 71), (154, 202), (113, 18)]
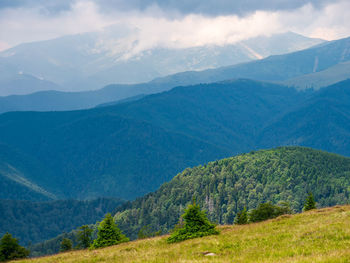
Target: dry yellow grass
[(316, 236)]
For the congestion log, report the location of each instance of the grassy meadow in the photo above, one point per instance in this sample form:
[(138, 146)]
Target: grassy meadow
[(316, 236)]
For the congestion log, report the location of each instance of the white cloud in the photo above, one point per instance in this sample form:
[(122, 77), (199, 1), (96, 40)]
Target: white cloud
[(331, 22), (32, 24), (153, 27)]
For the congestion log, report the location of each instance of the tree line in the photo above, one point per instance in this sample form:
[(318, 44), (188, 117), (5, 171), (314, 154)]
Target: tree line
[(192, 224)]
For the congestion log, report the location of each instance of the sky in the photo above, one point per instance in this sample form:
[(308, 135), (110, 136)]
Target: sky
[(172, 23)]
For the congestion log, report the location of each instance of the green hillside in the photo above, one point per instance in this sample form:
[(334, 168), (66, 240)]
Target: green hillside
[(315, 236), (226, 186)]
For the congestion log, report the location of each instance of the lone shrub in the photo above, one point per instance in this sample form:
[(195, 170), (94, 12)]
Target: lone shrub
[(196, 224)]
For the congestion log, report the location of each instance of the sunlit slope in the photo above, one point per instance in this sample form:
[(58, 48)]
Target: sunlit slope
[(316, 236)]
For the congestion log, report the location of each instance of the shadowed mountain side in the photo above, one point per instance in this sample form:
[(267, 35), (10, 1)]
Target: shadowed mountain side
[(322, 121), (229, 114), (87, 155)]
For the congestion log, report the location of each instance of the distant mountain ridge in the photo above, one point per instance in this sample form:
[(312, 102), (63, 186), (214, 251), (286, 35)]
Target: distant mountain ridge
[(93, 60), (315, 67)]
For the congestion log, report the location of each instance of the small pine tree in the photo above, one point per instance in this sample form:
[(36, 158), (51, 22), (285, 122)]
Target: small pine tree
[(196, 224), (85, 236), (10, 249), (66, 245), (309, 203), (108, 234), (242, 217)]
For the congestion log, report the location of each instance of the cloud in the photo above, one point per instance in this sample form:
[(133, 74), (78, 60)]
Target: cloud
[(33, 24), (153, 25), (205, 7)]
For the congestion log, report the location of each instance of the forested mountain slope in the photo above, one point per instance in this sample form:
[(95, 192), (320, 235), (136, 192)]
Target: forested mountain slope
[(130, 149), (226, 186), (91, 153), (229, 114)]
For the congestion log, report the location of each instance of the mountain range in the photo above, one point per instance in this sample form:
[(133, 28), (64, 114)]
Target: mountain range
[(316, 67), (131, 148), (91, 61)]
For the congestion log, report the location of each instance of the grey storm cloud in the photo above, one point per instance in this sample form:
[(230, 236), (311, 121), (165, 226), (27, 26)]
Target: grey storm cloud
[(208, 7), (170, 23)]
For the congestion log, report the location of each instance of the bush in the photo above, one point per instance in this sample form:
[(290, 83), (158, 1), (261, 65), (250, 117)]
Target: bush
[(196, 225), (66, 245), (267, 211), (241, 217)]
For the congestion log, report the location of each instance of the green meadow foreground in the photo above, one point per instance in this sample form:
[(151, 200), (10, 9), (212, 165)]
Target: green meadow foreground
[(317, 236)]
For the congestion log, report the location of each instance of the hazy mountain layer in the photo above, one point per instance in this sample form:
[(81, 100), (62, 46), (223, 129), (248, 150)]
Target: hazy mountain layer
[(93, 60), (314, 67)]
